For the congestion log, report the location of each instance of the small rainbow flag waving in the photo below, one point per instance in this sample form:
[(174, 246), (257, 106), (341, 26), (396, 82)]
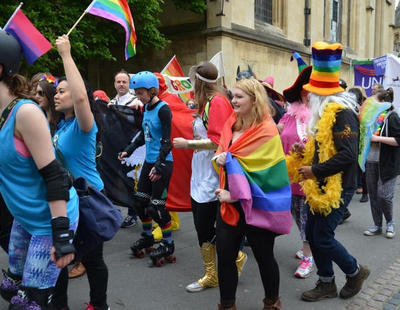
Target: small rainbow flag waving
[(119, 12), (257, 176)]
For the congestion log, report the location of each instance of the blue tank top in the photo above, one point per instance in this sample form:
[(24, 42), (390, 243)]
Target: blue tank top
[(79, 150), (153, 133), (21, 185)]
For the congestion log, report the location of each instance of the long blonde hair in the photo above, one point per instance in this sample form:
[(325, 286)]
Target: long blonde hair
[(261, 107)]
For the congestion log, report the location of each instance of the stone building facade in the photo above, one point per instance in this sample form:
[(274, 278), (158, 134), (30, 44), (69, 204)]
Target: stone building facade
[(262, 34)]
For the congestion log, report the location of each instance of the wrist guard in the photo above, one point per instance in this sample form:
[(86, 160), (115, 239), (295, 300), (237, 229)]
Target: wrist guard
[(57, 181), (159, 166), (62, 236)]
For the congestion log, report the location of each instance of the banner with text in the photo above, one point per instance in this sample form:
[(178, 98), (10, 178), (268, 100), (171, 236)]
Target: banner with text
[(365, 75)]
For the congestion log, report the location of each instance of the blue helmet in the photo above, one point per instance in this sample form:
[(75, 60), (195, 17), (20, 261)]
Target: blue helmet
[(144, 79)]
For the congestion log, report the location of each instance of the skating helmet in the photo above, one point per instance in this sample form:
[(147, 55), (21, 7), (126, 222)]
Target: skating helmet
[(144, 79), (10, 54)]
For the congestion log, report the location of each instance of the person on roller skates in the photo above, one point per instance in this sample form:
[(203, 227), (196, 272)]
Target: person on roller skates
[(156, 171)]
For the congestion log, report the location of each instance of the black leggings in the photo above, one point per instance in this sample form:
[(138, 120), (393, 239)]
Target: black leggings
[(228, 244), (97, 273), (204, 215), (153, 194)]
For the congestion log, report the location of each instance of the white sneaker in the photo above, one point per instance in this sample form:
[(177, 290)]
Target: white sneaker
[(373, 231), (390, 233), (194, 287), (300, 254), (305, 268)]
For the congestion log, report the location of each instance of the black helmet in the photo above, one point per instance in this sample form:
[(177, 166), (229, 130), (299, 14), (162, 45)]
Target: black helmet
[(10, 53)]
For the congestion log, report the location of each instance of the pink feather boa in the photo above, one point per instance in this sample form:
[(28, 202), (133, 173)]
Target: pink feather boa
[(300, 111)]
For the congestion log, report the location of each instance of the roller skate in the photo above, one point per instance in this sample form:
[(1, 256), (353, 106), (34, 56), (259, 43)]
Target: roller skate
[(163, 254), (9, 285), (143, 246)]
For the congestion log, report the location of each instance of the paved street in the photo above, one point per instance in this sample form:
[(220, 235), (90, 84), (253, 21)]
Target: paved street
[(133, 285)]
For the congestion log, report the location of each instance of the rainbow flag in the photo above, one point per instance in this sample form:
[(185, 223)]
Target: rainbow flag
[(119, 12), (369, 113), (257, 176), (173, 68), (32, 42)]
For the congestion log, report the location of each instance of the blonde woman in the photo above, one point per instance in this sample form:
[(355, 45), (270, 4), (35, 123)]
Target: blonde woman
[(254, 192)]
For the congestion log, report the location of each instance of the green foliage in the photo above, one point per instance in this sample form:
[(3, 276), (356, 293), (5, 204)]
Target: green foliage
[(94, 36)]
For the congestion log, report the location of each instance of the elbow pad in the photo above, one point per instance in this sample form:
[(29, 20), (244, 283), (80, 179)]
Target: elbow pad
[(57, 180)]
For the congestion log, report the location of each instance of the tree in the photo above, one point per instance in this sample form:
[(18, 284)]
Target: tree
[(93, 36)]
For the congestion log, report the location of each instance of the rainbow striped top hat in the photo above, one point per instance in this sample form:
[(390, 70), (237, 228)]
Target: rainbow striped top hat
[(326, 62)]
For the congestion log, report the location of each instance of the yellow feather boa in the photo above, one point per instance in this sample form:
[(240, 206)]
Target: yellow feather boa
[(320, 201)]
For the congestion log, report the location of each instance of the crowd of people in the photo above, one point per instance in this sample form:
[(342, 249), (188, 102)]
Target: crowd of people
[(260, 159)]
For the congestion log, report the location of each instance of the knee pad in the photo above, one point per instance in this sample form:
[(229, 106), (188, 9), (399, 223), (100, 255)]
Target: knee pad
[(158, 212), (141, 201)]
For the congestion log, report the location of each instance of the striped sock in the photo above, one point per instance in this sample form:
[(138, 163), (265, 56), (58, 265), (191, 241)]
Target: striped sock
[(167, 232), (147, 225)]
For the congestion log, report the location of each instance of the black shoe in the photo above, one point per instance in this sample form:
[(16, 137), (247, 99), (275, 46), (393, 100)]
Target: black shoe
[(129, 221), (364, 198), (346, 215)]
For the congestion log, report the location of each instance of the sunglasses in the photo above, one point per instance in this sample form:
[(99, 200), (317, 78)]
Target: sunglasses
[(40, 93)]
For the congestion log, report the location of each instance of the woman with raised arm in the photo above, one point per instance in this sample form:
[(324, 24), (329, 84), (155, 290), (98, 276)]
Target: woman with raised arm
[(36, 189), (75, 142)]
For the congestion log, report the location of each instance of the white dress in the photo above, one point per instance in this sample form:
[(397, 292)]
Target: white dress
[(204, 180)]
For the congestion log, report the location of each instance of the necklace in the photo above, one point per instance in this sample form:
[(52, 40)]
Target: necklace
[(321, 199)]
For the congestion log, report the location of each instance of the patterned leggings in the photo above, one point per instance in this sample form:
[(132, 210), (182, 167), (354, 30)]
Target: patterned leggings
[(29, 257)]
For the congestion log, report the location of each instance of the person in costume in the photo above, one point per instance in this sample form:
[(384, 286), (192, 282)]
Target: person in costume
[(75, 141), (254, 192), (36, 189), (327, 169), (293, 130), (214, 109), (155, 175), (383, 167)]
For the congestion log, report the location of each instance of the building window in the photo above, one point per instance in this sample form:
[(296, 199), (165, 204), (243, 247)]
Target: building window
[(336, 20), (263, 11)]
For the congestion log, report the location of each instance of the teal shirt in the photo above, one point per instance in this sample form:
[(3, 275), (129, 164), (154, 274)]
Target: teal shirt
[(21, 185), (79, 150)]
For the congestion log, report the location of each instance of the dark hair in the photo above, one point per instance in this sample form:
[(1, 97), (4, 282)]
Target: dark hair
[(18, 86), (122, 71), (389, 95), (381, 95), (93, 107), (358, 94), (49, 92)]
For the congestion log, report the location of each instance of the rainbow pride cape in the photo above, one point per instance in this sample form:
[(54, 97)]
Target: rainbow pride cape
[(369, 113), (32, 42), (119, 12), (257, 176)]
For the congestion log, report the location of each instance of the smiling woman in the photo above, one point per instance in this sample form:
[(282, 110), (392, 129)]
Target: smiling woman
[(252, 171)]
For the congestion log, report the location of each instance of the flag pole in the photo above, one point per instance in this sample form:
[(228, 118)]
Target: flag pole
[(80, 18), (12, 16), (76, 23)]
